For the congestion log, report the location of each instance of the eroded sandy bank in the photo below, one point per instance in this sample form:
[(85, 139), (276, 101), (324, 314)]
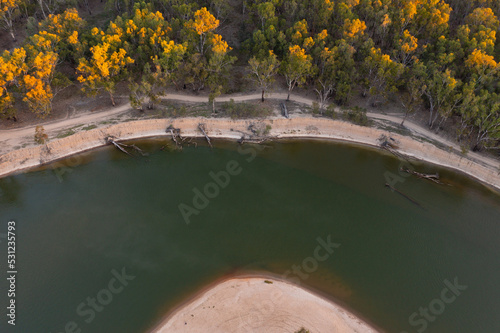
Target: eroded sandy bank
[(227, 128), (245, 305)]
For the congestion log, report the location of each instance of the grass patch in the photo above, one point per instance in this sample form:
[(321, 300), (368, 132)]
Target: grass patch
[(106, 122), (65, 134), (245, 110), (88, 128)]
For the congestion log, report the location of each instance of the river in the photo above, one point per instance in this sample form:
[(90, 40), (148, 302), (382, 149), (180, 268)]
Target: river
[(110, 243)]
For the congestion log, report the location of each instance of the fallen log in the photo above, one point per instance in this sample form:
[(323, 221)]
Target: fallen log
[(175, 132), (433, 178), (122, 146), (201, 127), (243, 140), (117, 145), (404, 195)]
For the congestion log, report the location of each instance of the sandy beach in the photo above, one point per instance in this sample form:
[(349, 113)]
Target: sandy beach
[(258, 304), (300, 126)]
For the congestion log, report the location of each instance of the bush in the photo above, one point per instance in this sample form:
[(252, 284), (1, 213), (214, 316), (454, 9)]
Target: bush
[(267, 130), (40, 136), (245, 110), (357, 116), (315, 108), (330, 111)]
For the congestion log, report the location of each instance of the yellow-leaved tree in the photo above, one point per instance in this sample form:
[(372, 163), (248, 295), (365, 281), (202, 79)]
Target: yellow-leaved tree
[(103, 69), (482, 66), (37, 83), (42, 82), (66, 27), (353, 30), (12, 67), (204, 22)]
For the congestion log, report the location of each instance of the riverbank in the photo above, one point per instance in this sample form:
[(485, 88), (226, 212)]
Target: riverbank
[(259, 304), (298, 126)]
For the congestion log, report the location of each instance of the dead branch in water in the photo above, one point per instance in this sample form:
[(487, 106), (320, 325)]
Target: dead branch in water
[(122, 146), (176, 134), (434, 178), (404, 195), (391, 145), (201, 127), (242, 140), (110, 140)]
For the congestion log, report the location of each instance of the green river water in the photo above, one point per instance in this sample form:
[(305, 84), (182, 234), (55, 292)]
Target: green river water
[(81, 222)]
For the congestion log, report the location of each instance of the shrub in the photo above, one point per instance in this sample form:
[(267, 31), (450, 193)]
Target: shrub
[(357, 116), (40, 135), (245, 110)]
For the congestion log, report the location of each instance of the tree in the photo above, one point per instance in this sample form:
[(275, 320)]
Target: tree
[(480, 113), (407, 45), (203, 23), (36, 85), (335, 71), (54, 6), (141, 35), (353, 30), (263, 71), (381, 75), (431, 19), (66, 28), (296, 68), (9, 9), (103, 69), (411, 97), (482, 66), (441, 90), (266, 12), (219, 64), (12, 67), (482, 18), (155, 80)]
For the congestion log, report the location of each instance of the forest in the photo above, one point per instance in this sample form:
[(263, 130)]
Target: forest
[(434, 55)]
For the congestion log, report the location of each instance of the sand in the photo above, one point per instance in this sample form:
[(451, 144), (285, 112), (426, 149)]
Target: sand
[(250, 305), (296, 127)]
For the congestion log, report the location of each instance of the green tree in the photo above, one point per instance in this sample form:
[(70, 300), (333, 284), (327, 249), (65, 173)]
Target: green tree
[(382, 75), (263, 71), (219, 64), (296, 67), (441, 90), (335, 73)]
